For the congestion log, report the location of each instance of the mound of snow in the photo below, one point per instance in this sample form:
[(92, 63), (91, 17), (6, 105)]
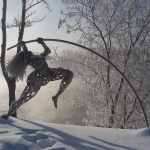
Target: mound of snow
[(18, 134), (143, 132)]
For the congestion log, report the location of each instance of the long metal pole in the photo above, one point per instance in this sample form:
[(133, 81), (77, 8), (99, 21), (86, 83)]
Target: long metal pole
[(122, 74)]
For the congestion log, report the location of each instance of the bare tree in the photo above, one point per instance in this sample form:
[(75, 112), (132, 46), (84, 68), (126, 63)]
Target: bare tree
[(118, 30), (20, 22)]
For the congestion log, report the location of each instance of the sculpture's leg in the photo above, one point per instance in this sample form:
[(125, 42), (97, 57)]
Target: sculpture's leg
[(28, 93), (33, 86), (67, 76)]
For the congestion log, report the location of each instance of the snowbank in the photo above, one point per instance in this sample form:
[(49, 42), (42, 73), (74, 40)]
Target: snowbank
[(18, 134)]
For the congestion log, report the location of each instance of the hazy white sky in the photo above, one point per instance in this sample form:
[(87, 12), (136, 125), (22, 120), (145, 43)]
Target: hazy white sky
[(48, 28)]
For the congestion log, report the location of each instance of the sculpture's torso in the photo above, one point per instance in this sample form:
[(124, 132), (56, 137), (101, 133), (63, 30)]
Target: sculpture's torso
[(37, 62)]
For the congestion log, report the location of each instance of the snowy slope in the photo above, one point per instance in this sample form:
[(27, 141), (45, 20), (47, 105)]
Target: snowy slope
[(18, 134)]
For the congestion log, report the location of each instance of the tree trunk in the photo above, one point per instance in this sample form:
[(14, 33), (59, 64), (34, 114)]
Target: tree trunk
[(21, 28), (12, 88), (10, 82), (3, 46)]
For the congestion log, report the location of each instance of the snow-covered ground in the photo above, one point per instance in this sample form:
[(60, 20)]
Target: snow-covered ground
[(18, 134)]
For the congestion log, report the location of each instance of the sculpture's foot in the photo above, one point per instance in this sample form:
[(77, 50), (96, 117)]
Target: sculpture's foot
[(5, 116), (54, 98)]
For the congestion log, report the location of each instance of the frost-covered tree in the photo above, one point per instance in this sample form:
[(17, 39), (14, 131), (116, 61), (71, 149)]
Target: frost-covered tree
[(21, 22), (118, 30)]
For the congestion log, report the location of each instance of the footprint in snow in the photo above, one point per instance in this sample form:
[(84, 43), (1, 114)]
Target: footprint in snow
[(43, 141), (34, 137)]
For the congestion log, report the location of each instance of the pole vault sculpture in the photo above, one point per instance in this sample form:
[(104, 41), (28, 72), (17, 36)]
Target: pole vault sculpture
[(40, 77), (71, 74)]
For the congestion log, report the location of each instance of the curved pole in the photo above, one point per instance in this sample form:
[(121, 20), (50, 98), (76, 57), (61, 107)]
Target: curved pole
[(122, 74)]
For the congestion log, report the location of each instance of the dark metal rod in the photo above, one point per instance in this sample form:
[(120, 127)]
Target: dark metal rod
[(122, 74)]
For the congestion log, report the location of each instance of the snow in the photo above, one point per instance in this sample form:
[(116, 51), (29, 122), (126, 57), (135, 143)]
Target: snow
[(19, 134)]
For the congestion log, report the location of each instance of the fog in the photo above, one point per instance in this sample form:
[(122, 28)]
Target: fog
[(41, 107)]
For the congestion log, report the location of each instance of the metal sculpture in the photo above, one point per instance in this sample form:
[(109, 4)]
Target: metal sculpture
[(107, 60), (40, 77)]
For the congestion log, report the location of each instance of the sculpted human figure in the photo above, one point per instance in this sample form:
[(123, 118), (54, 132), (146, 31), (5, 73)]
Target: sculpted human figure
[(40, 77)]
